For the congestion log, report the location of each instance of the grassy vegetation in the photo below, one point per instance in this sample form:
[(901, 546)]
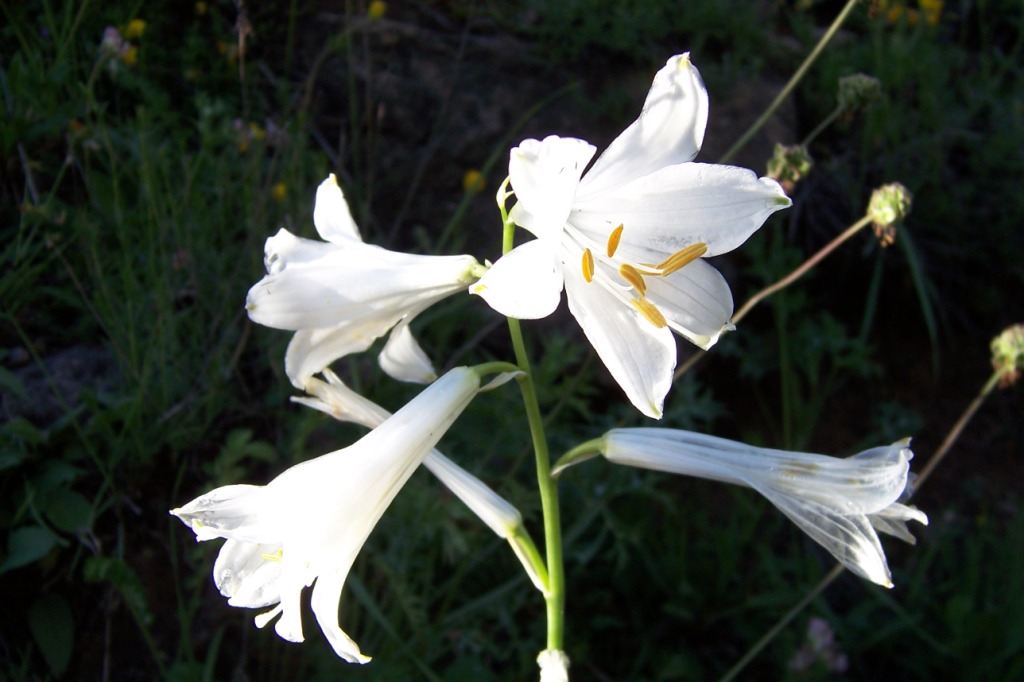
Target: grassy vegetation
[(141, 177)]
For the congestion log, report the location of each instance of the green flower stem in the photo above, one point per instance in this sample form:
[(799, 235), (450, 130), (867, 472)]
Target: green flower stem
[(548, 493), (793, 82), (555, 596), (524, 548), (496, 367), (580, 453), (837, 570), (782, 284)]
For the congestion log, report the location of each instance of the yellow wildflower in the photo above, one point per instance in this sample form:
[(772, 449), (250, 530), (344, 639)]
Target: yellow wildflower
[(134, 29), (279, 192), (473, 181)]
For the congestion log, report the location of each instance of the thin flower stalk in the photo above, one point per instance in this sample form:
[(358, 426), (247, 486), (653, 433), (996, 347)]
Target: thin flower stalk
[(781, 284)]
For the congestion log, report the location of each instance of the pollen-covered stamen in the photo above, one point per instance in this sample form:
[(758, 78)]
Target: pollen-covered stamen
[(650, 312), (588, 265), (633, 276), (276, 556), (681, 258), (613, 240), (675, 262)]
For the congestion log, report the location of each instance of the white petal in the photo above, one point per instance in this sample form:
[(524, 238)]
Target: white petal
[(680, 205), (289, 625), (311, 350), (849, 538), (696, 302), (248, 574), (231, 511), (325, 600), (341, 402), (263, 619), (331, 216), (402, 357), (284, 249), (499, 515), (525, 283), (670, 130), (639, 356), (893, 521), (544, 176), (346, 283)]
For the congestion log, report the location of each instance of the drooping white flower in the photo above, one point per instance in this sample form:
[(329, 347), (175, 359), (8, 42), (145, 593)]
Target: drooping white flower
[(310, 522), (838, 502), (333, 397), (627, 240), (341, 294)]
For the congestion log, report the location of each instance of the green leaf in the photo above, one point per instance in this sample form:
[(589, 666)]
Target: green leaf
[(123, 578), (68, 511), (49, 620), (26, 545), (11, 384), (9, 459), (23, 430)]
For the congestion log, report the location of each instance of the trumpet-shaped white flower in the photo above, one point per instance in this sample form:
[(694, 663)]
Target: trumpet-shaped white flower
[(342, 294), (309, 523), (839, 503), (501, 516), (627, 240)]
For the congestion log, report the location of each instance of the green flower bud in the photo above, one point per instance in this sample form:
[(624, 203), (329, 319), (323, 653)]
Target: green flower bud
[(789, 165), (888, 207), (858, 92), (1008, 354)]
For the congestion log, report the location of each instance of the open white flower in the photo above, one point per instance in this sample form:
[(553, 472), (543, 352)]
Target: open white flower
[(309, 523), (628, 238), (839, 503), (333, 397), (341, 294)]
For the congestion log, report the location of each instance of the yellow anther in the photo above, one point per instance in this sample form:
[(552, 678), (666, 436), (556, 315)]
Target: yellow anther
[(633, 276), (276, 556), (650, 311), (682, 258), (588, 265), (613, 240)]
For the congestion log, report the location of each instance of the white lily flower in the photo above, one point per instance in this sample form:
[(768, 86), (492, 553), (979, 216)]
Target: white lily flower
[(335, 398), (839, 503), (341, 294), (310, 522), (628, 239)]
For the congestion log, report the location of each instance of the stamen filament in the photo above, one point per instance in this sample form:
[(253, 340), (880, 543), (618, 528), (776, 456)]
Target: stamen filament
[(613, 240), (633, 276), (588, 265)]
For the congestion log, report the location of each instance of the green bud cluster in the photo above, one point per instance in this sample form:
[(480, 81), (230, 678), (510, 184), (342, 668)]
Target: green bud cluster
[(1008, 354)]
